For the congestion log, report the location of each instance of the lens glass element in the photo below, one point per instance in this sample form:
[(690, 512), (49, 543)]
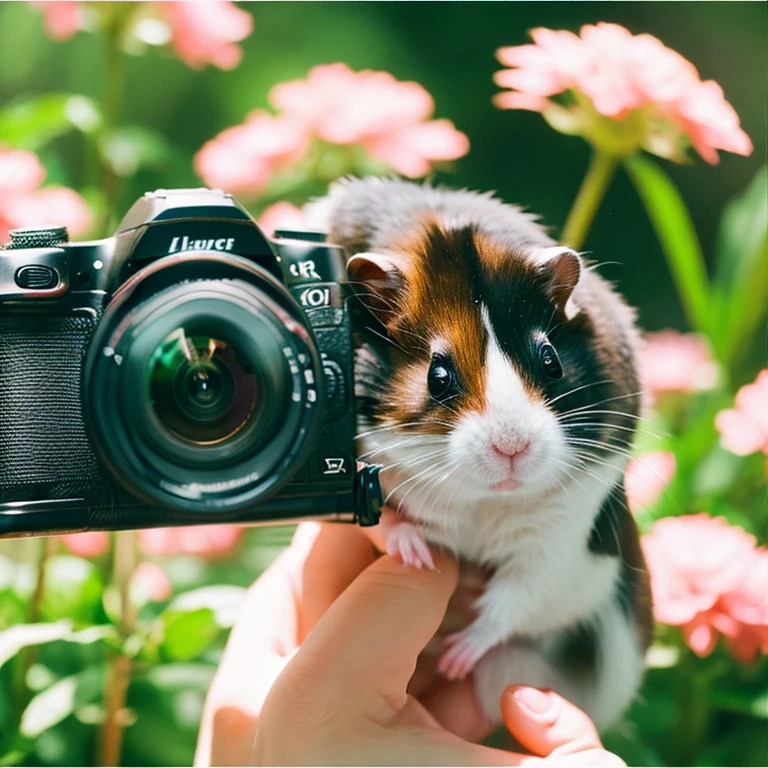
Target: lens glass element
[(203, 389)]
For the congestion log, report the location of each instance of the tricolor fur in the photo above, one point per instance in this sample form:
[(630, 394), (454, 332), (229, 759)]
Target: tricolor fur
[(514, 470)]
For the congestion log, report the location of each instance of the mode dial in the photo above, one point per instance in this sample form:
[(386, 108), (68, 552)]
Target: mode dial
[(37, 237)]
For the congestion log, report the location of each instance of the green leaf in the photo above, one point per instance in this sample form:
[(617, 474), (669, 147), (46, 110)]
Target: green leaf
[(168, 703), (739, 699), (32, 123), (73, 588), (224, 600), (60, 700), (13, 610), (742, 266), (182, 635), (676, 233), (742, 231), (24, 635), (132, 147)]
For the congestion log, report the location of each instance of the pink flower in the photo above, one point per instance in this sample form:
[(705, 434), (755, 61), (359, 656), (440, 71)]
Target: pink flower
[(386, 116), (711, 122), (62, 18), (646, 477), (412, 149), (243, 159), (345, 107), (621, 75), (205, 32), (676, 362), (150, 582), (88, 544), (281, 215), (200, 31), (748, 607), (209, 541), (22, 204), (708, 578), (744, 429)]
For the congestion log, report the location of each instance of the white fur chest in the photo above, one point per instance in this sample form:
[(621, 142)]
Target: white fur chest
[(537, 545)]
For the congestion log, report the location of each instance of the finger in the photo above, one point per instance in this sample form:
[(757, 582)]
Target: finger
[(454, 705), (543, 722), (271, 595), (377, 534), (365, 647), (255, 655), (336, 556)]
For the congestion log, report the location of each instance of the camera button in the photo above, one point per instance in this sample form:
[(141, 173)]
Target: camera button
[(37, 237), (334, 389), (36, 277)]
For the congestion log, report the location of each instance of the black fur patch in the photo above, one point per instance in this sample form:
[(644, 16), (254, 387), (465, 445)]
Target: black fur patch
[(614, 534)]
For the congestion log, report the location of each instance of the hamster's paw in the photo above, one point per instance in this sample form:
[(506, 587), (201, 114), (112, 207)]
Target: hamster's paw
[(405, 542), (463, 650)]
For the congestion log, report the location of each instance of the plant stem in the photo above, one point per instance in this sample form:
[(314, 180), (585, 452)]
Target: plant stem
[(113, 104), (602, 168), (47, 547), (692, 710), (119, 675)]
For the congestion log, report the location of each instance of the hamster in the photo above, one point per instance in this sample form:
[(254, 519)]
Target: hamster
[(496, 384)]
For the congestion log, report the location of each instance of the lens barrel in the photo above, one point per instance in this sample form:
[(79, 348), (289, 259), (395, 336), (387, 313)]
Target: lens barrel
[(202, 384)]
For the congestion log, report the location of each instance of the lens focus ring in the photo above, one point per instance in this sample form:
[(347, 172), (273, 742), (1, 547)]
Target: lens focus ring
[(204, 396)]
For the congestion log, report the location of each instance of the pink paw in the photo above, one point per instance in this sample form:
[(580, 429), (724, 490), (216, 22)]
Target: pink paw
[(406, 542), (463, 650)]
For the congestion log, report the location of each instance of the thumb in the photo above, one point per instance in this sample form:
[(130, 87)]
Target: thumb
[(369, 639), (545, 723)]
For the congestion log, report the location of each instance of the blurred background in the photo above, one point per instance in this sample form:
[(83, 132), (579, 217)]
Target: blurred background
[(449, 49), (52, 708)]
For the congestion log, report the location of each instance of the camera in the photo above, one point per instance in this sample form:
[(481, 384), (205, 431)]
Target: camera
[(186, 370)]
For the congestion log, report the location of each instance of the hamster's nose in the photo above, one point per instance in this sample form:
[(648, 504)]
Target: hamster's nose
[(510, 452)]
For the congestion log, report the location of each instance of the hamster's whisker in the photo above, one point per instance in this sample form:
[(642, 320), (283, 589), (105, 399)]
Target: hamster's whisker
[(607, 425), (617, 442), (664, 485), (602, 264), (578, 389), (560, 482), (400, 424), (388, 340), (619, 450), (588, 458), (440, 478), (452, 463), (413, 462), (587, 413), (606, 400), (408, 441), (576, 421), (410, 480), (567, 465), (406, 481)]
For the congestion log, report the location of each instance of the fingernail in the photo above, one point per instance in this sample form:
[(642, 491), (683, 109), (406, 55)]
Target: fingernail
[(535, 701)]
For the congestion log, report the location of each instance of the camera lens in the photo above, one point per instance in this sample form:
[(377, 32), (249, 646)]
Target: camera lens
[(203, 386), (203, 389)]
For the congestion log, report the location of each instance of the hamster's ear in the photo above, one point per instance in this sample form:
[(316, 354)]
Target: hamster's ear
[(380, 281), (562, 269)]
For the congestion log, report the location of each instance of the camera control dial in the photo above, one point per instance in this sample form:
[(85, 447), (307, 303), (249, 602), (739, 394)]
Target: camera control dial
[(37, 237)]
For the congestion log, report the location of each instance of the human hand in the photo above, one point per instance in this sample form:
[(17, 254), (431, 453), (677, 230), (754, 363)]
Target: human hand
[(326, 663)]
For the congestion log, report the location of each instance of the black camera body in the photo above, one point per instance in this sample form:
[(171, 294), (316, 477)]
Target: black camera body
[(187, 370)]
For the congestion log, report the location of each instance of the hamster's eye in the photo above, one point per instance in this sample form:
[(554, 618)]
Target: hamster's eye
[(442, 380), (550, 362)]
